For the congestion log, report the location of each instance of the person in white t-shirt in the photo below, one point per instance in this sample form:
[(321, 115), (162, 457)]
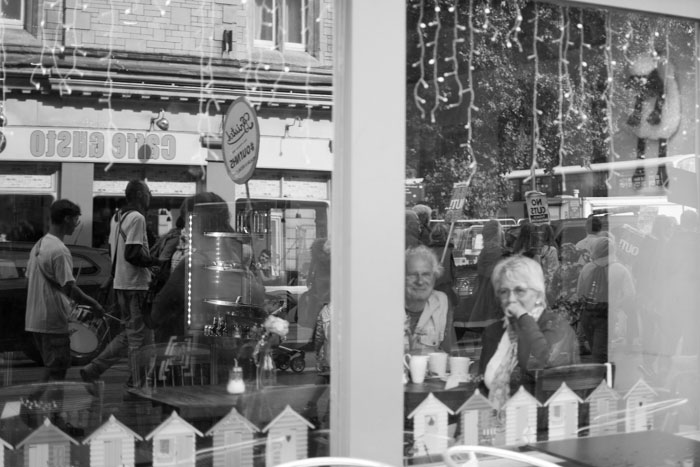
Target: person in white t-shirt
[(132, 277), (50, 288), (594, 226)]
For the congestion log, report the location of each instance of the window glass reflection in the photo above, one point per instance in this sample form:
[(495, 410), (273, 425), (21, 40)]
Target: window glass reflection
[(553, 150)]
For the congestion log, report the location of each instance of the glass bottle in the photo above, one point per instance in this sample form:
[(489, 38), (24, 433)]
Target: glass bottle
[(266, 369), (235, 385)]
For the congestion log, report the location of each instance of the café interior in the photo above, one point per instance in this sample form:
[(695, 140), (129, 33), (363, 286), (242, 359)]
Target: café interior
[(591, 100)]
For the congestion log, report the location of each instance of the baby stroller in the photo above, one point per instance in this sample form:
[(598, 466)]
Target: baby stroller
[(286, 357)]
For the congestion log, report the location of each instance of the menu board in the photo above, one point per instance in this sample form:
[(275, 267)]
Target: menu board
[(117, 187), (23, 182), (262, 189), (305, 189)]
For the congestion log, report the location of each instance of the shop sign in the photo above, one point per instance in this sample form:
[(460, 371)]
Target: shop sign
[(537, 207), (241, 141), (85, 145)]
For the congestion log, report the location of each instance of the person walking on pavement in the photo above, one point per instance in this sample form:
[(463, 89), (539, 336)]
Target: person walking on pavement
[(131, 261), (50, 288)]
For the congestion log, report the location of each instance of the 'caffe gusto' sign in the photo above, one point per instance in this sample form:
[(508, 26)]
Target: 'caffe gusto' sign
[(240, 144), (96, 145)]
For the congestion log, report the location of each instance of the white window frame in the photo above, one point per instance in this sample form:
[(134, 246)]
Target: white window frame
[(165, 455), (280, 35), (368, 189), (15, 23), (256, 19), (298, 46)]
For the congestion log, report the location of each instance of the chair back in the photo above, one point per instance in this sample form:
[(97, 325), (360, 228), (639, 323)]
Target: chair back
[(581, 378), (472, 461), (177, 363), (333, 462)]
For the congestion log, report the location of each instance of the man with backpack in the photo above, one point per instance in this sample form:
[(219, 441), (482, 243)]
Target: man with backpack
[(131, 272)]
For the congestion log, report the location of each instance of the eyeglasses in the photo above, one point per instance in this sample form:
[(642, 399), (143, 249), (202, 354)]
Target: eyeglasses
[(519, 292), (414, 276), (76, 221)]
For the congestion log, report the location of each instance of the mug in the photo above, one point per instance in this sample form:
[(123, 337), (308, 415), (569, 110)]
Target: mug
[(437, 363), (459, 366), (417, 365)]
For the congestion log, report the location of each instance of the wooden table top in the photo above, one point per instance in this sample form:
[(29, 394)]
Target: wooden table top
[(212, 401)]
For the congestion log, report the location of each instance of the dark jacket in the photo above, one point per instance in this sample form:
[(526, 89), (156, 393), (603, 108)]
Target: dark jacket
[(546, 343)]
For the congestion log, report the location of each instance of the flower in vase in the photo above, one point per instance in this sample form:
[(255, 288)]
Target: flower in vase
[(275, 325)]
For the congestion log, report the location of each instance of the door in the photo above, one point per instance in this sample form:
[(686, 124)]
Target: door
[(113, 452), (39, 455), (233, 452), (288, 451)]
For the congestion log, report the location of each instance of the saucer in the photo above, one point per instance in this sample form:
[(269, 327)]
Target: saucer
[(462, 379)]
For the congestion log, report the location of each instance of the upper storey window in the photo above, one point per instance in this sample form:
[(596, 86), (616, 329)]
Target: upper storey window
[(12, 13), (281, 24)]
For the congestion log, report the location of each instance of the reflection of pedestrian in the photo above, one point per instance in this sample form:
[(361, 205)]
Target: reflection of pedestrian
[(486, 308), (322, 344), (607, 288), (265, 270), (549, 260), (594, 225), (424, 212), (412, 229), (438, 243), (319, 283), (50, 286), (132, 260)]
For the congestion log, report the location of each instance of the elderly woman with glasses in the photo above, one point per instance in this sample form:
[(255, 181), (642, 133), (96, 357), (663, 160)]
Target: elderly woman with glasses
[(428, 325), (529, 337)]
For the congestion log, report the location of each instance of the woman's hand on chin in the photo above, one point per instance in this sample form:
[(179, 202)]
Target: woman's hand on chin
[(515, 310)]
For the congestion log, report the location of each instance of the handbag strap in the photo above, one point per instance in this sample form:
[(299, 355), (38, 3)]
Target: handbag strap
[(51, 281), (120, 233)]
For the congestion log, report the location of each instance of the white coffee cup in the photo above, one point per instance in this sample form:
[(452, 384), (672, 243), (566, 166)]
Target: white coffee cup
[(417, 365), (437, 363), (459, 366)]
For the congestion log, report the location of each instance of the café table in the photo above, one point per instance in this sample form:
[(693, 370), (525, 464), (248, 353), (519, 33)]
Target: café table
[(638, 449), (212, 402)]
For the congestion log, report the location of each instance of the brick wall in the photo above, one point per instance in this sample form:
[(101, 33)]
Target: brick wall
[(171, 27)]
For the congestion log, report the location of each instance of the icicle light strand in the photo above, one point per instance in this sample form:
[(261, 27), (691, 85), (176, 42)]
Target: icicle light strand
[(535, 111), (512, 35), (434, 60), (420, 63), (563, 70), (454, 58), (608, 93), (468, 126), (108, 79)]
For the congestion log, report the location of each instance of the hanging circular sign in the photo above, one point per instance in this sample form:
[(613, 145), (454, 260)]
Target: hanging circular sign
[(240, 143)]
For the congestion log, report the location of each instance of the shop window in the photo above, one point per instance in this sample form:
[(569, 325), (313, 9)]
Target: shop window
[(282, 24), (572, 129)]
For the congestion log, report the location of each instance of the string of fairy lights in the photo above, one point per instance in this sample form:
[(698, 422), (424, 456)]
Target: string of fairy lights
[(444, 65), (207, 99), (564, 83)]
